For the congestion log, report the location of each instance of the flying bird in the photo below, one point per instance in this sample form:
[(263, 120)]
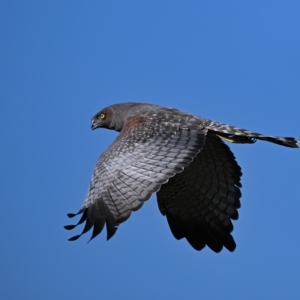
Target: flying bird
[(177, 155)]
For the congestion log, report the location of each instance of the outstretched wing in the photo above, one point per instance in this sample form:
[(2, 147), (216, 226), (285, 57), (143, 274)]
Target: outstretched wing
[(200, 202), (142, 158)]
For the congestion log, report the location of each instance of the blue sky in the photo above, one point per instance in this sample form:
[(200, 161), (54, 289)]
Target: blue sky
[(236, 62)]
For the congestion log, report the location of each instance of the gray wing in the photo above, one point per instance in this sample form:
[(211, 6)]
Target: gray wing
[(142, 158), (200, 202)]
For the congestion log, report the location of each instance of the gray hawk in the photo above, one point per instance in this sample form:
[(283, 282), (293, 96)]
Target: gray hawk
[(177, 155)]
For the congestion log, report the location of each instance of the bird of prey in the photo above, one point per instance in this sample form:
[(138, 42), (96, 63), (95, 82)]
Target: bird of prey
[(177, 155)]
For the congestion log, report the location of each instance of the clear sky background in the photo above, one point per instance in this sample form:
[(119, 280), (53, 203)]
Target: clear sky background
[(236, 62)]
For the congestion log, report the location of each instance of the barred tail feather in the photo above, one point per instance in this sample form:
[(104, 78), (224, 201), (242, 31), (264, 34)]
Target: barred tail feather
[(283, 141), (242, 136)]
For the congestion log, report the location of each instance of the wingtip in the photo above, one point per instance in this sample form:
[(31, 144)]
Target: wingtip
[(74, 238), (111, 230), (69, 227), (71, 215)]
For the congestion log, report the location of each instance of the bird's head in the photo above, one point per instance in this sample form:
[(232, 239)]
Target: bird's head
[(114, 116), (103, 119)]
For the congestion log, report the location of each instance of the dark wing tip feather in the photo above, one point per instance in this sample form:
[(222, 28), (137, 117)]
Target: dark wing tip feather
[(234, 215), (192, 237), (175, 226), (71, 215), (209, 237), (238, 184), (70, 227), (111, 230), (229, 243), (96, 216), (88, 225), (82, 219), (74, 238), (98, 227)]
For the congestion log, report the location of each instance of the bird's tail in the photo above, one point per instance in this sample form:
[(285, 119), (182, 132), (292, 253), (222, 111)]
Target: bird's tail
[(242, 136)]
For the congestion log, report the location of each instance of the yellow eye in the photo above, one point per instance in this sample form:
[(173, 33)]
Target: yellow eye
[(102, 116)]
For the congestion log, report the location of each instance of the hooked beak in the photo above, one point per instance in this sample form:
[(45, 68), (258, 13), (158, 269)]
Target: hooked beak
[(94, 124)]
